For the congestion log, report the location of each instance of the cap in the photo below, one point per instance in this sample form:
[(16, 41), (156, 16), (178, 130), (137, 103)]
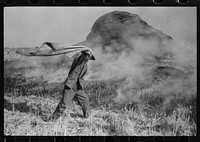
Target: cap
[(90, 53)]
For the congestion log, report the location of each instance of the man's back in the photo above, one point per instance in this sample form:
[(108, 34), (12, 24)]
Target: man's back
[(77, 71)]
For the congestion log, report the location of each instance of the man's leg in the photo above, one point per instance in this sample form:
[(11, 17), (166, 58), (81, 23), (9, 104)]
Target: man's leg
[(68, 95), (83, 101)]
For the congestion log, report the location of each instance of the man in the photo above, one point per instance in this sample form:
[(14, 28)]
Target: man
[(73, 86)]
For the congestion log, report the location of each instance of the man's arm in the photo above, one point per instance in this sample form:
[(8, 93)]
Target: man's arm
[(81, 77)]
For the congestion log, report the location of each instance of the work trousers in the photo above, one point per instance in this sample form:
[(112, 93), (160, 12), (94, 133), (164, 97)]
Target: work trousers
[(68, 95)]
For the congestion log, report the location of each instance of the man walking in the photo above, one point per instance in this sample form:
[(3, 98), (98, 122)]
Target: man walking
[(73, 86)]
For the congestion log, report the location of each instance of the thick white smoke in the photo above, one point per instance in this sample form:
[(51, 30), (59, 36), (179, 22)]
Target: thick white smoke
[(135, 58)]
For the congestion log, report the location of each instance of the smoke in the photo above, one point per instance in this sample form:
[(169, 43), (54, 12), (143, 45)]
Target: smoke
[(50, 69), (109, 66), (185, 54), (136, 52), (140, 60)]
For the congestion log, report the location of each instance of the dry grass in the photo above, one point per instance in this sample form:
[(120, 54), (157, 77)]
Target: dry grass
[(143, 108), (25, 112), (101, 123)]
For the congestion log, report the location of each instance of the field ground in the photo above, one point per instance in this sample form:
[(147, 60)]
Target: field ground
[(150, 108)]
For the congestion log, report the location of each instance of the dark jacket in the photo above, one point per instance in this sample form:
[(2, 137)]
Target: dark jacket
[(76, 73)]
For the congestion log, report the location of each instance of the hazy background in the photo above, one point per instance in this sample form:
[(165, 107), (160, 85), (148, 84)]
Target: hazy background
[(31, 26)]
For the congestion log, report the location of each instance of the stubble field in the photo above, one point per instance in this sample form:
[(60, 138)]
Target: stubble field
[(151, 107)]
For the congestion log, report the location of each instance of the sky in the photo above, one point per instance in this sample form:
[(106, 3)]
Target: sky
[(31, 26)]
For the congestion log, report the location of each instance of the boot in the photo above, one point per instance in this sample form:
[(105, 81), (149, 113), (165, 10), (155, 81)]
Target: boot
[(86, 113), (57, 113)]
